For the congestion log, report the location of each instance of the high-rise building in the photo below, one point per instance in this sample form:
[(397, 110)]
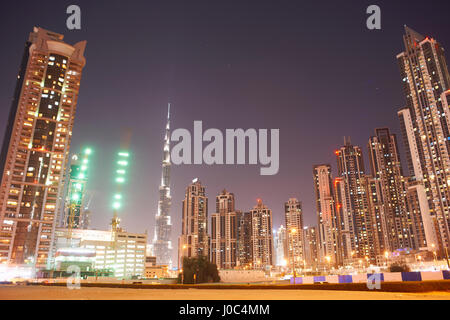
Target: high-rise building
[(261, 238), (328, 223), (280, 244), (376, 208), (35, 148), (351, 169), (395, 227), (424, 231), (311, 247), (425, 124), (245, 249), (293, 216), (345, 218), (224, 232), (194, 239), (162, 244)]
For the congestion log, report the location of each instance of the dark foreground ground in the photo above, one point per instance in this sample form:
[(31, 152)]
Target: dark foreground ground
[(13, 292)]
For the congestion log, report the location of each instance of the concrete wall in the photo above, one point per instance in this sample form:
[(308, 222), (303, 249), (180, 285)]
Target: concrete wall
[(242, 276)]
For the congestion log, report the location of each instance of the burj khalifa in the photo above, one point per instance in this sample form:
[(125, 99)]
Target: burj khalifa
[(162, 245)]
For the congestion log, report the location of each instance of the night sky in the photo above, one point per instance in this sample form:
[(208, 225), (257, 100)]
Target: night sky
[(310, 68)]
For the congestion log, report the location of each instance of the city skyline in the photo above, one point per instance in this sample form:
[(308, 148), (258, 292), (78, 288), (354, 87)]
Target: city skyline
[(299, 187)]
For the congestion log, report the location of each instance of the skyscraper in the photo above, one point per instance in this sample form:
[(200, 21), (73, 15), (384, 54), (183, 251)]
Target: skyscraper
[(261, 238), (425, 125), (311, 247), (224, 229), (345, 218), (326, 214), (194, 239), (280, 244), (351, 169), (293, 216), (162, 245), (376, 208), (396, 229), (245, 249), (36, 145)]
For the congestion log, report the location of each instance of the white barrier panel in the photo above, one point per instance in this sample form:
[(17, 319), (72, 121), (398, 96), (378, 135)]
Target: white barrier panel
[(359, 278), (332, 279), (392, 276), (430, 275), (308, 280)]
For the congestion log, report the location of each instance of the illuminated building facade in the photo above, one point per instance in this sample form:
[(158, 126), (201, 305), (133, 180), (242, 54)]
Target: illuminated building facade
[(224, 229), (351, 169), (425, 125), (194, 239), (311, 247), (280, 244), (293, 217), (162, 244), (245, 249), (345, 218), (328, 223), (261, 236), (394, 227), (120, 251), (35, 149)]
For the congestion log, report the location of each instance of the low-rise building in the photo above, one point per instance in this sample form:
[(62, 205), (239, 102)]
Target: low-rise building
[(120, 251)]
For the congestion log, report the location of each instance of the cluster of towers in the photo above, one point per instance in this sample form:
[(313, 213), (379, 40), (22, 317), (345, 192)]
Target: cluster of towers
[(240, 239), (237, 238), (368, 216), (360, 215)]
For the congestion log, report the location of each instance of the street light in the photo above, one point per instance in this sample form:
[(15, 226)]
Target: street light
[(328, 258)]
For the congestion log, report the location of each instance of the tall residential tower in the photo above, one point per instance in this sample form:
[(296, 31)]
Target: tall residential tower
[(194, 239), (36, 144), (326, 215), (224, 229), (425, 123)]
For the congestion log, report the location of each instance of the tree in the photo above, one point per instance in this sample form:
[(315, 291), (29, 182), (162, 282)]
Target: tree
[(398, 267), (200, 268)]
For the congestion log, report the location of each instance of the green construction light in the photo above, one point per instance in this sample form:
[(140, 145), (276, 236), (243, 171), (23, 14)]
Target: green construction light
[(116, 205), (81, 176), (124, 154), (122, 163), (87, 151), (83, 168), (85, 161), (118, 196), (75, 197), (78, 186), (120, 171), (120, 180)]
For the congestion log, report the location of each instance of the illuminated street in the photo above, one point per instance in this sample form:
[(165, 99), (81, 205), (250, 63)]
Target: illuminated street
[(8, 292)]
